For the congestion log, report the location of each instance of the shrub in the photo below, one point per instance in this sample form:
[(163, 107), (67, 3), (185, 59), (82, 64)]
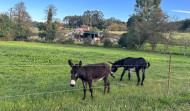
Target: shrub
[(68, 41), (87, 41), (107, 43), (127, 40), (123, 40), (95, 44)]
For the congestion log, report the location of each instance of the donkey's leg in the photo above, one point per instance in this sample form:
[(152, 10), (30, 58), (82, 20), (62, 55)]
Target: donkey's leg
[(122, 74), (84, 89), (138, 78), (105, 84), (129, 74), (91, 91), (108, 84), (143, 76)]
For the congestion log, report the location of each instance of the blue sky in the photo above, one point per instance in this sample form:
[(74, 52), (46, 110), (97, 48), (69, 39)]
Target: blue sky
[(120, 9)]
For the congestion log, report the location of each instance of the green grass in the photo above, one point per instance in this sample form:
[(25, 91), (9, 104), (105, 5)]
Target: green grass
[(19, 77), (179, 35), (171, 48), (118, 32)]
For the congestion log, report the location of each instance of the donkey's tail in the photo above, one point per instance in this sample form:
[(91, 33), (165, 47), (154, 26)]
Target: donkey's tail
[(147, 65)]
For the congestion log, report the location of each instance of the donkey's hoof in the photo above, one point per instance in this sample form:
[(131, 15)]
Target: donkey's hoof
[(83, 98)]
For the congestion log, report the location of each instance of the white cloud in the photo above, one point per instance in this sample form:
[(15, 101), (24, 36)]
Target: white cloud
[(181, 11)]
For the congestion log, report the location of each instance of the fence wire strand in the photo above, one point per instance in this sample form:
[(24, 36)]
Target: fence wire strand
[(53, 92), (84, 65)]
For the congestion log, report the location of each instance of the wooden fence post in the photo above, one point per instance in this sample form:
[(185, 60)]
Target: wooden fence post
[(169, 74)]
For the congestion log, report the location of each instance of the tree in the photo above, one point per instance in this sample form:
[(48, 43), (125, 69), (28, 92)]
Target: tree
[(6, 27), (136, 36), (74, 21), (158, 19), (20, 15), (93, 18), (147, 24), (22, 19), (106, 34), (123, 40), (93, 30), (185, 26), (117, 27), (144, 8), (21, 32), (131, 21), (169, 35), (185, 41), (49, 32)]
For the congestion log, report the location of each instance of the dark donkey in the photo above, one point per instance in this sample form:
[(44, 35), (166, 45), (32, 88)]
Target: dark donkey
[(90, 73), (131, 64)]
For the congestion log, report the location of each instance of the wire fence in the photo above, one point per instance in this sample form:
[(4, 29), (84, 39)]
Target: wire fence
[(80, 88), (84, 65), (118, 84)]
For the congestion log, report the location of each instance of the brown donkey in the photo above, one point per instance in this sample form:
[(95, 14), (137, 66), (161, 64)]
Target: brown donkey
[(88, 74)]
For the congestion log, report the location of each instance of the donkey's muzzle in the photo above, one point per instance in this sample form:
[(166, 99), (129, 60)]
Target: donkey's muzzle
[(72, 85), (112, 74)]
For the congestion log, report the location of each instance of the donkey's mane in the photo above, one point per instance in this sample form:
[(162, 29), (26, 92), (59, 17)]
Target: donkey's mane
[(119, 62)]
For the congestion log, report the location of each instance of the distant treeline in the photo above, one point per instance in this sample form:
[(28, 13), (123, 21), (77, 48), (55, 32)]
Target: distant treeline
[(142, 26), (95, 18)]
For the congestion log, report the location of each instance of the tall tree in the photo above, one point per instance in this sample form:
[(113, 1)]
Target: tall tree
[(144, 8), (131, 21), (20, 15), (22, 19), (93, 18), (51, 27), (150, 12), (157, 27), (74, 21)]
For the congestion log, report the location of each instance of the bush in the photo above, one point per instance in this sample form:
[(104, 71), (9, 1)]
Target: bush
[(107, 43), (95, 44), (68, 41), (123, 40), (127, 40), (87, 41)]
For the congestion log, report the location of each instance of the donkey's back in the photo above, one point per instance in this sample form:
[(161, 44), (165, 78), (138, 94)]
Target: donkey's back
[(95, 70), (135, 62)]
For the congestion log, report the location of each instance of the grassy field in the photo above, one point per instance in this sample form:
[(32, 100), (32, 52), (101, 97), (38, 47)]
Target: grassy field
[(175, 49), (171, 48), (36, 76), (118, 32)]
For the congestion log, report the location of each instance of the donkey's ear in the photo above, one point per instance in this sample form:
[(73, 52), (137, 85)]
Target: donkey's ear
[(70, 63), (80, 63), (110, 62)]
